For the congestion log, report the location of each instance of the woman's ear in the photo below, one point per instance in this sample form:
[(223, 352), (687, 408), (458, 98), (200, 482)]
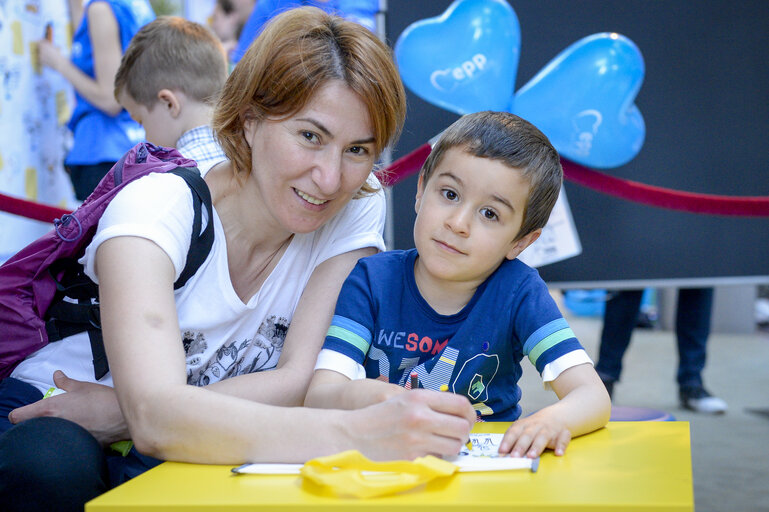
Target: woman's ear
[(522, 243), (250, 124)]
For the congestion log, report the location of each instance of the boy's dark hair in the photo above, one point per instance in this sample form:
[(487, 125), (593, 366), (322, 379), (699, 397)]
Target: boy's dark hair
[(172, 53), (518, 144)]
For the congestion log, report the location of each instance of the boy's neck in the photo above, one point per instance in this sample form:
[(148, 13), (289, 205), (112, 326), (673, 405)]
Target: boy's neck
[(444, 296), (195, 114)]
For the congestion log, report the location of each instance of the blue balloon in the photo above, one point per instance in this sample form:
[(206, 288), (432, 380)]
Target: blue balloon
[(464, 60), (583, 101)]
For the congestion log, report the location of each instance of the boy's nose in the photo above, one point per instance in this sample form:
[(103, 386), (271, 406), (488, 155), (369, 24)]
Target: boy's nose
[(459, 221)]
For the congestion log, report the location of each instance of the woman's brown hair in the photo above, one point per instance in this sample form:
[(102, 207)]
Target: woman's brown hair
[(298, 52)]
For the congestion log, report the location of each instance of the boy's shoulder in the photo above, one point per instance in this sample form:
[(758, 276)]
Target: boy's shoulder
[(516, 269), (388, 258), (514, 276)]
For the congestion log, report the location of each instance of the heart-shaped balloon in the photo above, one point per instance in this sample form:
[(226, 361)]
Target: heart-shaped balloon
[(583, 101), (464, 60)]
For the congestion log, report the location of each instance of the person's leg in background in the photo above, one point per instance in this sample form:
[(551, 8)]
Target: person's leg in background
[(86, 177), (620, 317), (693, 314)]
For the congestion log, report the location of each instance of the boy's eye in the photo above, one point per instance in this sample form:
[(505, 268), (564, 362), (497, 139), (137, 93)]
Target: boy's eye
[(489, 214), (449, 194)]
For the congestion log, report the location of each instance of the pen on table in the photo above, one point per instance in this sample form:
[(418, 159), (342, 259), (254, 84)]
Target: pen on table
[(469, 443), (414, 380)]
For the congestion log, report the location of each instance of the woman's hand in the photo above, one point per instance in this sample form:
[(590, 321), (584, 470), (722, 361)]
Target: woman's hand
[(92, 406), (412, 424)]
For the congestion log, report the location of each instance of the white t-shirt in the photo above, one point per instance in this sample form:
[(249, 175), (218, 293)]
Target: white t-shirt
[(222, 336)]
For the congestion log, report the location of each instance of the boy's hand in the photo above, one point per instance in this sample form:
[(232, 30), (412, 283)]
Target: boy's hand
[(528, 437)]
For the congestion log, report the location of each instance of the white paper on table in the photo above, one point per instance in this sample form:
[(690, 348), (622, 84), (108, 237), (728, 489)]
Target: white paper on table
[(483, 457)]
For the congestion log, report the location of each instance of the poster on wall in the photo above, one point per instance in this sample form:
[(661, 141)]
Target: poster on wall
[(35, 105)]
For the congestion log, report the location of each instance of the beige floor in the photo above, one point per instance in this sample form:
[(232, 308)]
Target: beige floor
[(730, 453)]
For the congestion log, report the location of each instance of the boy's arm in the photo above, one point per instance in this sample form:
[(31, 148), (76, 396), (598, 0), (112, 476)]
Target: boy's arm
[(332, 390), (583, 406)]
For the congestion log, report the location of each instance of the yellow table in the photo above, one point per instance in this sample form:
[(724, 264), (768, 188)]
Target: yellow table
[(629, 466)]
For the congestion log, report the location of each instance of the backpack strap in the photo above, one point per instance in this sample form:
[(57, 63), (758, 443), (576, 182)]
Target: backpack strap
[(200, 242), (66, 318)]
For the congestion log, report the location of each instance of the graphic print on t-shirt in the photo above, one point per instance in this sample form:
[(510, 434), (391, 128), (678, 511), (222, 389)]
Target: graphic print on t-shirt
[(235, 357)]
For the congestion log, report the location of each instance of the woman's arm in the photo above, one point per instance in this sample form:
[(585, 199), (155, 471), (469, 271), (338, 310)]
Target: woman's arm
[(95, 407), (287, 384), (171, 420), (104, 33)]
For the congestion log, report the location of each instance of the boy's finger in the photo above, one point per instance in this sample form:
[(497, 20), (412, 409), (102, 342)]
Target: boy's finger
[(538, 445), (562, 441), (523, 444)]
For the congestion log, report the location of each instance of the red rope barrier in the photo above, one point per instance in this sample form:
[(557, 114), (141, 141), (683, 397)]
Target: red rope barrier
[(30, 209), (405, 166), (708, 204)]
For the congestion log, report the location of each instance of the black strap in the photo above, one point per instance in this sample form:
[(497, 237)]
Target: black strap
[(65, 318), (200, 243)]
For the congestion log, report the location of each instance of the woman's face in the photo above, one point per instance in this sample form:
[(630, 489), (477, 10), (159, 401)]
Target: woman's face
[(308, 166)]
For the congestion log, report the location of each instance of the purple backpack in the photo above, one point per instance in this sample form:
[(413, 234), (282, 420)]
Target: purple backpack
[(35, 281)]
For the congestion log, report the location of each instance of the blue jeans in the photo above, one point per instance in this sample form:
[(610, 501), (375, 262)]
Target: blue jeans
[(53, 463), (692, 330)]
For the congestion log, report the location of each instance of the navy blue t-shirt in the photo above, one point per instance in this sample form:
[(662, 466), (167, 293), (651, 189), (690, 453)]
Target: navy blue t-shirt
[(382, 322)]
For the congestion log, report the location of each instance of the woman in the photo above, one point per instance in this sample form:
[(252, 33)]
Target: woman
[(302, 119), (102, 130)]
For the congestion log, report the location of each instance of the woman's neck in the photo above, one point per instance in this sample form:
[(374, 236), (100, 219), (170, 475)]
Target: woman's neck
[(241, 211), (254, 243)]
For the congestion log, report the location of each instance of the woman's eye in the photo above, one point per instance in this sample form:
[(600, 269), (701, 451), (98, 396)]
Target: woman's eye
[(489, 214), (310, 136), (449, 194), (359, 150)]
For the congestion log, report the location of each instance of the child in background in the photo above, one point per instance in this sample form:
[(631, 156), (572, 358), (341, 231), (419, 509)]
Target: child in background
[(227, 20), (101, 130), (169, 80), (460, 309)]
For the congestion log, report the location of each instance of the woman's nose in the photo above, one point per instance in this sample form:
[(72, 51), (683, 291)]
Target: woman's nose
[(327, 173)]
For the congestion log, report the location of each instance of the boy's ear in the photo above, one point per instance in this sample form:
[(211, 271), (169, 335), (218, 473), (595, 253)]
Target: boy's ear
[(170, 101), (522, 243), (420, 192)]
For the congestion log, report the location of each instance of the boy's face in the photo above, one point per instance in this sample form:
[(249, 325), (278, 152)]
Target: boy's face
[(158, 121), (468, 215)]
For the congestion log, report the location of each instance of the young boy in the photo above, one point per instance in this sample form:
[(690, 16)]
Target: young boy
[(460, 310), (168, 81)]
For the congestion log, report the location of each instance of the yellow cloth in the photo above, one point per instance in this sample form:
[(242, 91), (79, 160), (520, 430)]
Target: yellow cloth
[(350, 473)]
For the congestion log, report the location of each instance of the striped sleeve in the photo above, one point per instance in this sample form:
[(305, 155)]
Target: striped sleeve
[(349, 338), (550, 342)]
